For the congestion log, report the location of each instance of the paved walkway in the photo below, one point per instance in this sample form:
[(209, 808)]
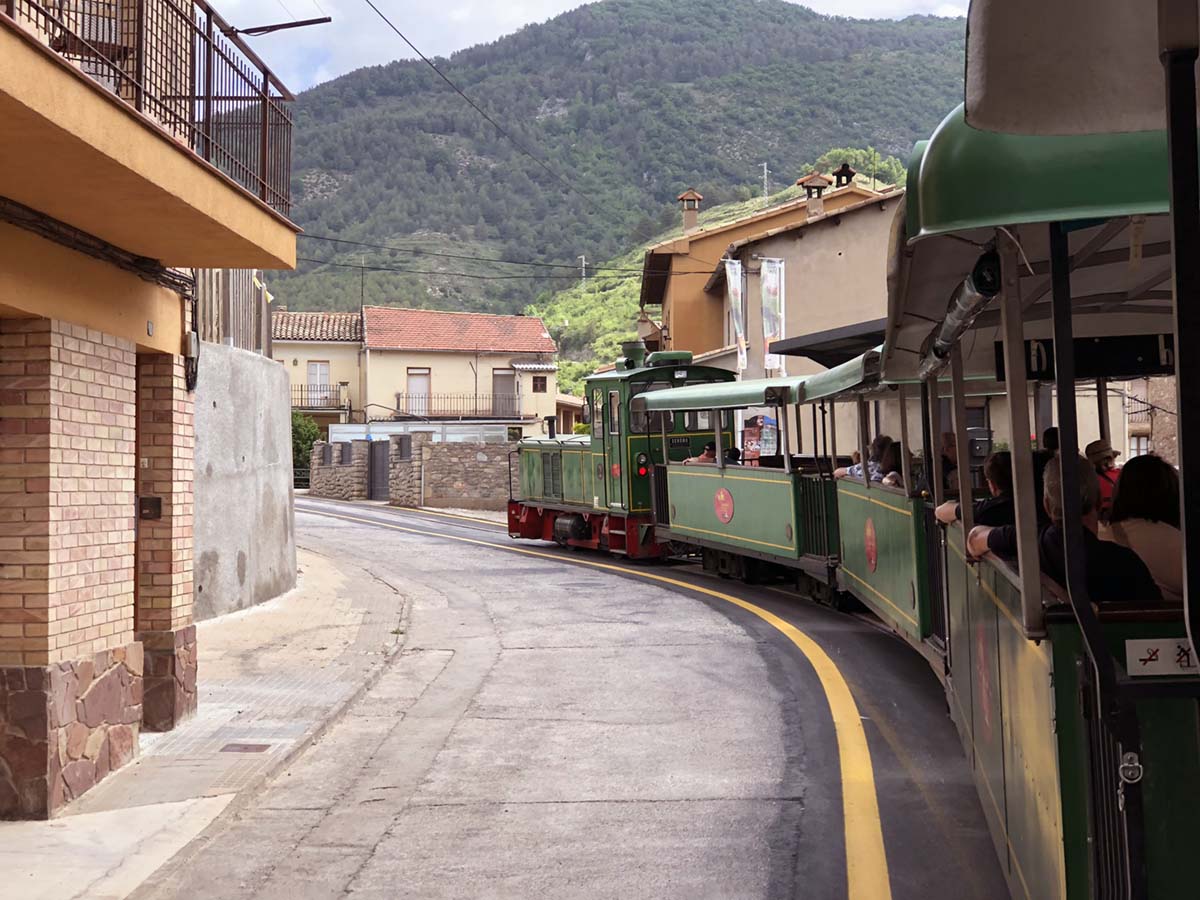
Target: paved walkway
[(271, 679)]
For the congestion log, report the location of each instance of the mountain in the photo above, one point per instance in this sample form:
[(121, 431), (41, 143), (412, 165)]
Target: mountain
[(631, 101)]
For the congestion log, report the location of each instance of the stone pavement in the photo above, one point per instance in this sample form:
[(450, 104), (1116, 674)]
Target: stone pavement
[(271, 679)]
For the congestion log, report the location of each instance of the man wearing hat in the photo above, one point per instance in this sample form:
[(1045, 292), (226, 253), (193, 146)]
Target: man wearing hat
[(1103, 457)]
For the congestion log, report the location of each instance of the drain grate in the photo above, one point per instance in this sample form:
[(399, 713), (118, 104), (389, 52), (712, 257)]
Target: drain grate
[(245, 748)]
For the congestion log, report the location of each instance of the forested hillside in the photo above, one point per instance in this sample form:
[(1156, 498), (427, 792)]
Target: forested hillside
[(631, 100)]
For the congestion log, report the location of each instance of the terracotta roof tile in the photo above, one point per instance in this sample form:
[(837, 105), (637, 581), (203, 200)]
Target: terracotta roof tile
[(388, 328), (315, 326)]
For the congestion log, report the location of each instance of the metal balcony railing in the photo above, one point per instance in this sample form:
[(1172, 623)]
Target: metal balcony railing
[(1139, 411), (460, 406), (319, 396), (180, 65)]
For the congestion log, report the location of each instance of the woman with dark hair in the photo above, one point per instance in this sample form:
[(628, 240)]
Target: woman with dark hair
[(873, 469), (1145, 518)]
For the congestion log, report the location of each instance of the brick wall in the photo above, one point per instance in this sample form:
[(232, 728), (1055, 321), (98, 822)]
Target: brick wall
[(338, 480), (454, 475), (67, 417)]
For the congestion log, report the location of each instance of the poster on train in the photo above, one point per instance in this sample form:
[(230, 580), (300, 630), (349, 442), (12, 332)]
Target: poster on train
[(737, 312), (771, 279)]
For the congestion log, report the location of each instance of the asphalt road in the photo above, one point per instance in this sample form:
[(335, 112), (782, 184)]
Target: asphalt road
[(555, 728)]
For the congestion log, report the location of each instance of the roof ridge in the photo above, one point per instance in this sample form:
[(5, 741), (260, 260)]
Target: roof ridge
[(452, 312)]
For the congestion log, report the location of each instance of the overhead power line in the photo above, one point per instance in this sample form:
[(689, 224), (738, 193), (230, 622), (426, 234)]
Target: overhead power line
[(566, 183), (366, 268)]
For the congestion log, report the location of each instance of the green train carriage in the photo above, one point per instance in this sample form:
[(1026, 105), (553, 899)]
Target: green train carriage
[(594, 491)]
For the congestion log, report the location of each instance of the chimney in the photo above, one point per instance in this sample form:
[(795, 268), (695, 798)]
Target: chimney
[(689, 200), (814, 186), (279, 308), (844, 175)]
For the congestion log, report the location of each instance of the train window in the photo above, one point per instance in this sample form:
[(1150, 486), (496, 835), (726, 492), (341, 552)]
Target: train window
[(643, 422), (701, 420), (614, 412)]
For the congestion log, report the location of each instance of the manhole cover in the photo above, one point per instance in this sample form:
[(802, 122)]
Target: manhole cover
[(245, 748)]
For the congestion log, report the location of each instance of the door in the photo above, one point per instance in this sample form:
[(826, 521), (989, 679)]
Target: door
[(504, 393), (417, 398), (377, 471), (599, 457), (318, 384), (614, 445)]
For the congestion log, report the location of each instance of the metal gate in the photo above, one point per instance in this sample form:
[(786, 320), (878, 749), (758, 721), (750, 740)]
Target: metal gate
[(377, 469)]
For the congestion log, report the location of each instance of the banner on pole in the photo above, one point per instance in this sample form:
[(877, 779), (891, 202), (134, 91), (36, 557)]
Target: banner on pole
[(733, 293), (773, 309)]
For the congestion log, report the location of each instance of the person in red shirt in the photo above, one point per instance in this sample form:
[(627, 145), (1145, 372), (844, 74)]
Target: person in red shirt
[(1104, 458)]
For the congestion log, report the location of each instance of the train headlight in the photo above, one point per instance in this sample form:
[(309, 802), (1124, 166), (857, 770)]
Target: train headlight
[(643, 465)]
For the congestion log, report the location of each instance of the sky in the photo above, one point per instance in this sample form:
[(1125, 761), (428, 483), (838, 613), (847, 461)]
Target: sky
[(306, 56)]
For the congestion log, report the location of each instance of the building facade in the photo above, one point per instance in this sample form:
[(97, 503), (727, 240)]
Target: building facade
[(404, 370), (121, 172)]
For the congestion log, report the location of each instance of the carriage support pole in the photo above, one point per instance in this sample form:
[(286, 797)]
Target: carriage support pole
[(1179, 64), (958, 393)]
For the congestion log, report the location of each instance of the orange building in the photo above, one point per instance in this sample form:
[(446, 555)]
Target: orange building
[(677, 313)]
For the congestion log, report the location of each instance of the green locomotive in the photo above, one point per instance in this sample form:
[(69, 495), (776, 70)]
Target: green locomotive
[(594, 491)]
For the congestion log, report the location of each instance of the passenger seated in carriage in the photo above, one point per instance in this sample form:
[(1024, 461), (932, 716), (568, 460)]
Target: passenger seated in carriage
[(1145, 518), (875, 459), (998, 508), (1115, 574), (891, 464), (708, 456)]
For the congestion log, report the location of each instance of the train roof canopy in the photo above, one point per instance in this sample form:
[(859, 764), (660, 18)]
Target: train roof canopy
[(728, 395), (1068, 66), (963, 178), (856, 376)]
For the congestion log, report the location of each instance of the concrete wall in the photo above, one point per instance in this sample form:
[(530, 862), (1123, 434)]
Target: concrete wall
[(245, 550)]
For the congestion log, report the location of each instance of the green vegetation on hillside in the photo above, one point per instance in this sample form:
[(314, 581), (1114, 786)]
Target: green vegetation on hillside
[(632, 100)]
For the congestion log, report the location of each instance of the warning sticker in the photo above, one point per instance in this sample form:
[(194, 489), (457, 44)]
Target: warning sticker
[(1160, 656)]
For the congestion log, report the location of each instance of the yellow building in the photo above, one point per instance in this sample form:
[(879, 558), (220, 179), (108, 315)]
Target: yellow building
[(412, 367), (122, 170), (677, 312)]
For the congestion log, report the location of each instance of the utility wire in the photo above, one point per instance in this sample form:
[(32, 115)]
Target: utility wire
[(417, 251), (505, 133), (366, 268)]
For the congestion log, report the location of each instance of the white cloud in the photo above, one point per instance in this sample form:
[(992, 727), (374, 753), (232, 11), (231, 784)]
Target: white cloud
[(357, 37)]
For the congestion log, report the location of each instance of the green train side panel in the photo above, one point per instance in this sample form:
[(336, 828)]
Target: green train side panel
[(880, 562), (1170, 750), (742, 507), (1003, 699), (556, 472), (817, 506)]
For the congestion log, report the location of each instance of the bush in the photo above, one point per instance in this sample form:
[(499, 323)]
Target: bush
[(305, 432)]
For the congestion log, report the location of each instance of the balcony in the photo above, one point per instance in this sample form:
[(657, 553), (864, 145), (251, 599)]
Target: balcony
[(320, 396), (148, 124), (459, 406)]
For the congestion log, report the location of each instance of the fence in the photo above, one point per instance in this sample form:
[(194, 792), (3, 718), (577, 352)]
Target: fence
[(232, 309), (179, 64), (459, 406), (318, 396)]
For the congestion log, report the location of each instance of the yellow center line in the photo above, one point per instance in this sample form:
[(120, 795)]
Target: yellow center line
[(866, 859)]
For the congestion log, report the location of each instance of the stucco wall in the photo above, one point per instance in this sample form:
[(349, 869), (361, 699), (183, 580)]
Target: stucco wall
[(343, 358), (245, 551)]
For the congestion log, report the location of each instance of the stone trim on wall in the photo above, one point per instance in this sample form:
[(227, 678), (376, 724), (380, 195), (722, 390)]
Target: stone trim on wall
[(451, 474), (170, 677), (338, 480), (65, 726)]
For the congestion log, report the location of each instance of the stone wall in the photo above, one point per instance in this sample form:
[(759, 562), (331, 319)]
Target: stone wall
[(65, 726), (454, 475), (1164, 427), (245, 548), (338, 480)]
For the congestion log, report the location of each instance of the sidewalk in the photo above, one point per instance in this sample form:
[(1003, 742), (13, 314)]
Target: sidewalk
[(272, 678)]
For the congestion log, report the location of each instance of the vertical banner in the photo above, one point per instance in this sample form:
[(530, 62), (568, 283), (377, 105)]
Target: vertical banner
[(773, 306), (733, 293)]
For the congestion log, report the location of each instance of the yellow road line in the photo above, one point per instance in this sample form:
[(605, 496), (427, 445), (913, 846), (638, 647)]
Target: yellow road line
[(446, 515), (866, 859)]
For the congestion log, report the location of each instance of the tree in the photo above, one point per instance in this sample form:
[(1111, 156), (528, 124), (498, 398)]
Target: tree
[(305, 432), (865, 161)]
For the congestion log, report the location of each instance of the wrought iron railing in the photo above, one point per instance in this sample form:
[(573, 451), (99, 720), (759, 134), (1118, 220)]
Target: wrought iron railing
[(459, 406), (180, 65), (319, 396), (1138, 410)]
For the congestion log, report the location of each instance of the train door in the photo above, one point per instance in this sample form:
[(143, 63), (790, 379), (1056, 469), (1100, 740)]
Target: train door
[(614, 444), (600, 441)]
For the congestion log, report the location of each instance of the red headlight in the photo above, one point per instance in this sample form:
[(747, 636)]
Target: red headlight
[(643, 464)]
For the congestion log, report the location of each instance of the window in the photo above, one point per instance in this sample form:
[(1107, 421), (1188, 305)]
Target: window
[(417, 400), (539, 384), (1139, 445), (614, 412), (319, 391), (701, 420), (643, 422)]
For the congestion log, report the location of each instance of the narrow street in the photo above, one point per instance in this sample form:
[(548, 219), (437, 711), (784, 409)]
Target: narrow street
[(560, 730)]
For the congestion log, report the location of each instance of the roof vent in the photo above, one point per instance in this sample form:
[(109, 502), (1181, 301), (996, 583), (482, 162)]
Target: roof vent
[(814, 184), (669, 358)]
